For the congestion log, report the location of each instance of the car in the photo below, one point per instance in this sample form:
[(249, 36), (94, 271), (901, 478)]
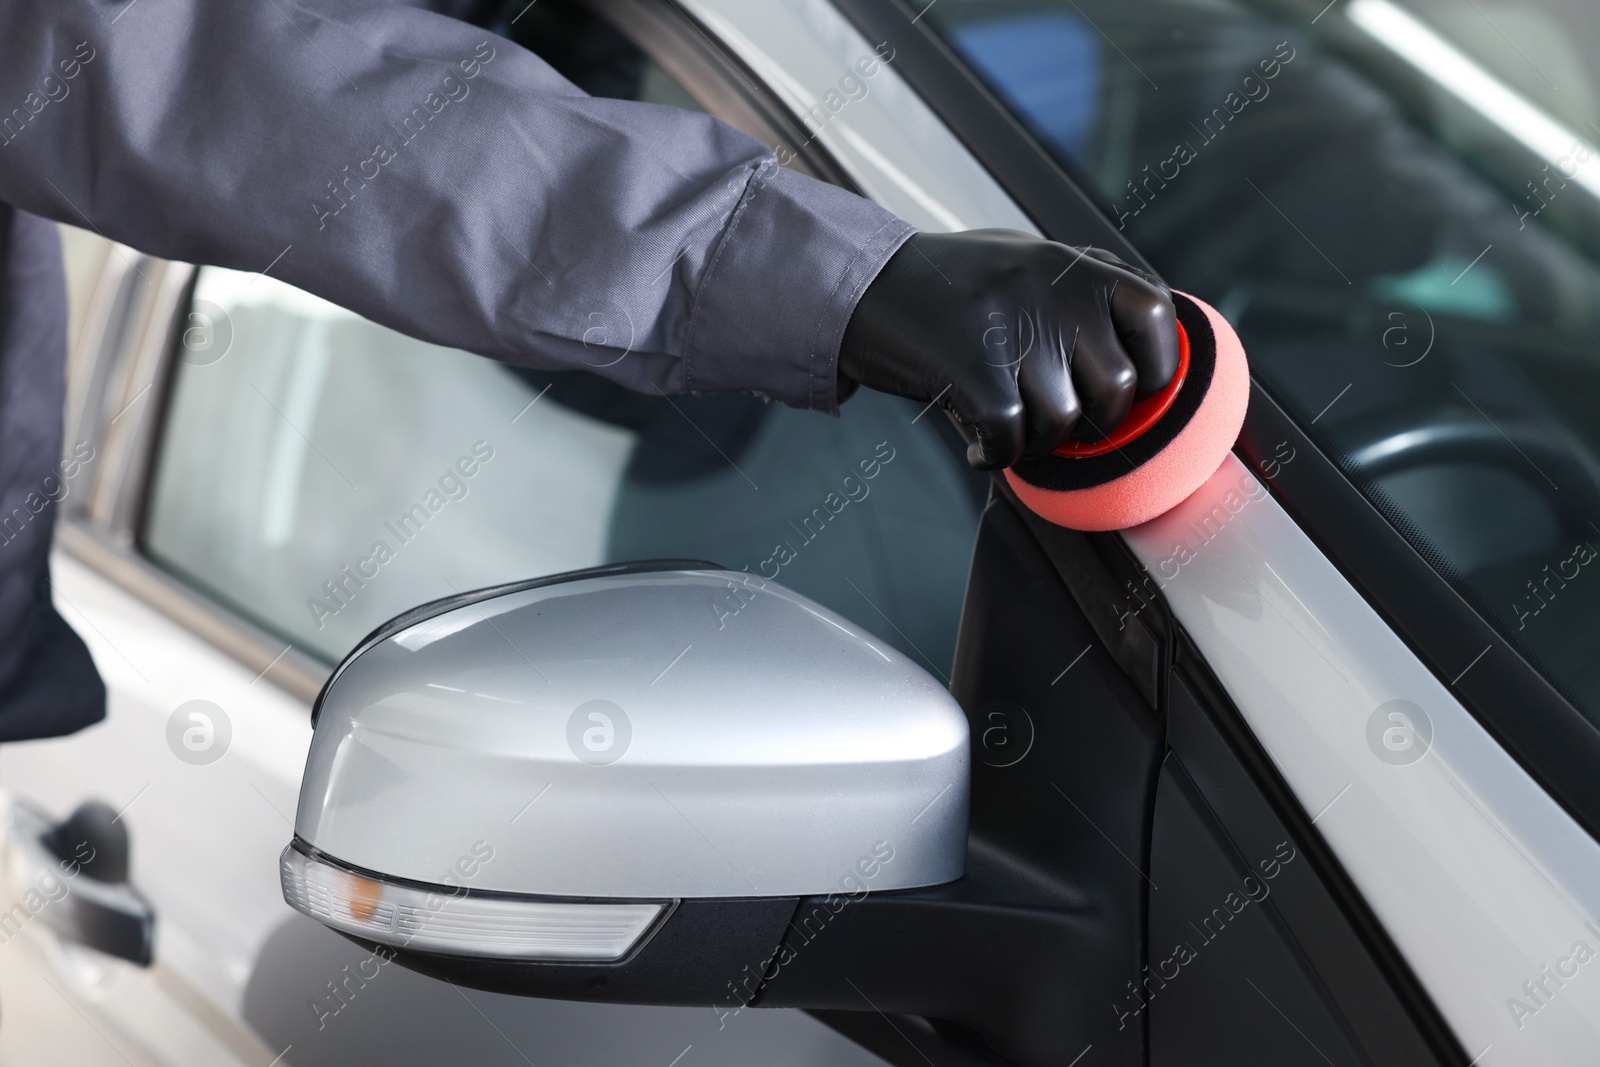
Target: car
[(1303, 771)]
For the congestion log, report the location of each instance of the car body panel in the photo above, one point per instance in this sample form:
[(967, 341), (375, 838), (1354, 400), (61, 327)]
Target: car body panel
[(205, 838), (886, 140), (1478, 875)]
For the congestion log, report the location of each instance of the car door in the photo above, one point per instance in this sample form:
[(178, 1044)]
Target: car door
[(1218, 806), (224, 502), (1383, 625), (271, 478)]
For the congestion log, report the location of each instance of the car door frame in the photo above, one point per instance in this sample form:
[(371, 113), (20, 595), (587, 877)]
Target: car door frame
[(1548, 738), (122, 364), (1544, 731)]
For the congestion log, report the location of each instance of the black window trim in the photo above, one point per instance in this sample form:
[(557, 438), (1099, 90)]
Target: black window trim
[(1269, 804)]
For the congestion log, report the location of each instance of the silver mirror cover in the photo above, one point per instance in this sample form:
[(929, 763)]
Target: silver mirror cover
[(640, 734)]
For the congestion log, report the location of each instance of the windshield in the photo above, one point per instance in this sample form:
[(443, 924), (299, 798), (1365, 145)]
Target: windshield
[(1398, 207)]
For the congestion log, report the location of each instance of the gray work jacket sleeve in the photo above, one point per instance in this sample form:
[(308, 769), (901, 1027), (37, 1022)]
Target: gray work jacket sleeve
[(439, 180)]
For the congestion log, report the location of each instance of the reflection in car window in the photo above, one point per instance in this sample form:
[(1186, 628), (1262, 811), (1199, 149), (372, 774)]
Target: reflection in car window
[(321, 474), (1397, 208)]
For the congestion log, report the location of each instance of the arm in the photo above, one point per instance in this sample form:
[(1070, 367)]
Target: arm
[(440, 181)]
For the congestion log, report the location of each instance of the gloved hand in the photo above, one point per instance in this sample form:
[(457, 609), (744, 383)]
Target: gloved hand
[(1025, 341)]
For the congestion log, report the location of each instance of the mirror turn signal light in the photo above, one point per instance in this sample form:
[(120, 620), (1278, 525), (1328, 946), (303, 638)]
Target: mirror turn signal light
[(453, 921)]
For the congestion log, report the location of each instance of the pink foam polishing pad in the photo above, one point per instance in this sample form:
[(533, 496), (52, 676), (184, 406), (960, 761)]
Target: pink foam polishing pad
[(1132, 478)]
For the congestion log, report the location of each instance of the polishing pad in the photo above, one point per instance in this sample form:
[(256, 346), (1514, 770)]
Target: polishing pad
[(1165, 448)]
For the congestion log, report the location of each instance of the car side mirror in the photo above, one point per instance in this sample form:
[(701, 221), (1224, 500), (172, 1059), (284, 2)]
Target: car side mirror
[(618, 784)]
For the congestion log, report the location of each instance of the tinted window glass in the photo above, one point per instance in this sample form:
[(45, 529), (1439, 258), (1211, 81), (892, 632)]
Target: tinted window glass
[(324, 474), (321, 474), (1397, 208)]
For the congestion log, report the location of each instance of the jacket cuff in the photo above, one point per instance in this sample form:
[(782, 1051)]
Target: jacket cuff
[(772, 306)]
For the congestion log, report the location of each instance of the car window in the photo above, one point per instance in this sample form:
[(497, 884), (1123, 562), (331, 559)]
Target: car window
[(320, 474), (1398, 207)]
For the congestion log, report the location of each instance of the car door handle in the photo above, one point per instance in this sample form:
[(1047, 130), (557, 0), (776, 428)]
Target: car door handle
[(73, 877)]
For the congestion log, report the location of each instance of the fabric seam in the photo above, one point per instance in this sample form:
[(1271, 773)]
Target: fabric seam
[(870, 246), (754, 184)]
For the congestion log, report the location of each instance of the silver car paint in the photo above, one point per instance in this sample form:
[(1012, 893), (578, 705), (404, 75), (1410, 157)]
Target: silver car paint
[(1480, 878), (896, 150), (746, 741)]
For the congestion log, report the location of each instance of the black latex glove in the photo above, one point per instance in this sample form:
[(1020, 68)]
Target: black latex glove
[(1027, 342)]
